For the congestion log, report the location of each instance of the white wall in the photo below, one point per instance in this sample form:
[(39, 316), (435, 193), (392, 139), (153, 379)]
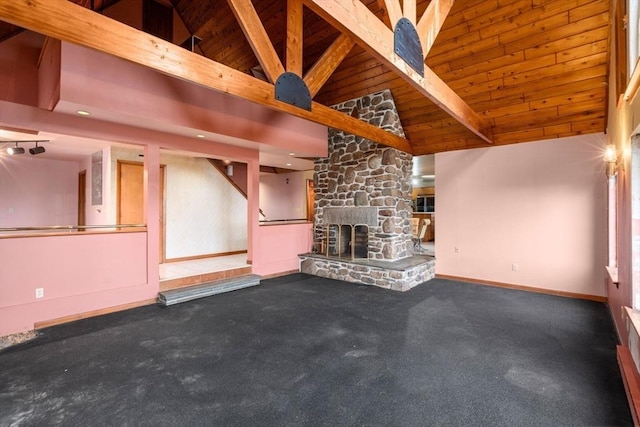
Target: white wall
[(539, 205), (284, 196), (205, 214)]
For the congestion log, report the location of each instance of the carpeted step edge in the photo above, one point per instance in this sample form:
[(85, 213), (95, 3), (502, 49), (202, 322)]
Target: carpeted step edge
[(176, 296)]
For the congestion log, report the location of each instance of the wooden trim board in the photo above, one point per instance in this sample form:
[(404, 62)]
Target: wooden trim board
[(631, 381), (194, 257), (524, 288), (93, 313)]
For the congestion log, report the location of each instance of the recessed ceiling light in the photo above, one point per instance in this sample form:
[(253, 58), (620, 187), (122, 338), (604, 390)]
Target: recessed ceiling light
[(292, 154), (288, 164), (199, 135), (83, 113)]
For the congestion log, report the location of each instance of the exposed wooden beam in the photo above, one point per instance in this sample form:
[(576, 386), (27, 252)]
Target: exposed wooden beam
[(69, 22), (394, 11), (294, 37), (409, 10), (353, 18), (257, 37), (431, 22), (317, 76)]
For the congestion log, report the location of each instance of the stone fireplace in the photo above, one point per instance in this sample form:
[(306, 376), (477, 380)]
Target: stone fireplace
[(363, 209)]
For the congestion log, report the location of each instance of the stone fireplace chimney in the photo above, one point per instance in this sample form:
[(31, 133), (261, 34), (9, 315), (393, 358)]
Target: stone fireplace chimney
[(363, 174), (365, 187)]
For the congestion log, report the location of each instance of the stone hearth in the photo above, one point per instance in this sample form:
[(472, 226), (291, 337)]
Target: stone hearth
[(368, 184), (400, 275)]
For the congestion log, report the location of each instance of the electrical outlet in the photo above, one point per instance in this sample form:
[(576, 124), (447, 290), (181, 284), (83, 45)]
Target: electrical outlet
[(456, 249), (39, 292), (514, 267)]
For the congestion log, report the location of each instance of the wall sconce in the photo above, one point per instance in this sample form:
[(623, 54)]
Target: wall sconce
[(37, 149), (613, 161), (15, 150)]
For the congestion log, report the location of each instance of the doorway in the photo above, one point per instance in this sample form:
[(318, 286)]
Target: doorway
[(130, 198), (82, 199), (311, 197)]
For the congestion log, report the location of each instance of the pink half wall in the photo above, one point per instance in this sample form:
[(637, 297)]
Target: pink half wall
[(278, 247), (530, 214), (78, 273)]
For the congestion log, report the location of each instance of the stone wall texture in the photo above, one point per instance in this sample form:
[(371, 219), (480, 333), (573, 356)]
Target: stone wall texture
[(359, 172)]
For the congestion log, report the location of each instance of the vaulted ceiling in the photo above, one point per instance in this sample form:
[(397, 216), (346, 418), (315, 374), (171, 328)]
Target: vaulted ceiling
[(497, 72)]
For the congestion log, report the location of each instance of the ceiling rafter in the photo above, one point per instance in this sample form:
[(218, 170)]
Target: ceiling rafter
[(69, 22), (431, 21), (353, 18), (257, 37), (394, 11), (409, 10), (294, 37), (320, 72)]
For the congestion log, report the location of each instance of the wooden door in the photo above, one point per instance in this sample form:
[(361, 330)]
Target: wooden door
[(311, 198), (130, 193), (131, 198)]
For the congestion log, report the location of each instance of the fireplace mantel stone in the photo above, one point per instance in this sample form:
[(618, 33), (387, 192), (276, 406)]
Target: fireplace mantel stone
[(351, 215)]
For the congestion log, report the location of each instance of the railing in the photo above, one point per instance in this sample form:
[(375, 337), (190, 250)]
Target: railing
[(68, 229), (283, 221)]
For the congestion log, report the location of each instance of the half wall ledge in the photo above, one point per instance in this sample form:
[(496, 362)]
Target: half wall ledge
[(399, 275)]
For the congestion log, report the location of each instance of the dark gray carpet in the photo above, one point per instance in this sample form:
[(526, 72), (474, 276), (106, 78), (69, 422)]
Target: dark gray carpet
[(301, 350)]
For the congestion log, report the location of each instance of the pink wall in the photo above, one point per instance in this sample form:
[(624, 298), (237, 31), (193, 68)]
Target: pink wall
[(539, 205), (18, 68), (278, 247), (621, 294), (49, 74), (283, 196), (159, 99), (122, 97), (36, 192), (79, 273)]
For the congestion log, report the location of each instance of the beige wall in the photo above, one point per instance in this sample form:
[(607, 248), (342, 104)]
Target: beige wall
[(539, 205)]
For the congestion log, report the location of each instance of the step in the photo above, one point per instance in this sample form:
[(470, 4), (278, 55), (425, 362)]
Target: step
[(197, 279), (175, 296)]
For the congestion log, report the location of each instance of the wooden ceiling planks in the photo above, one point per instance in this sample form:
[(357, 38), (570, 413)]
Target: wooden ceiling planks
[(354, 19), (533, 69)]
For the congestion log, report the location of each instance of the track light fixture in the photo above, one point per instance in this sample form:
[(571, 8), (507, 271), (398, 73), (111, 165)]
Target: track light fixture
[(20, 150), (37, 149), (15, 150)]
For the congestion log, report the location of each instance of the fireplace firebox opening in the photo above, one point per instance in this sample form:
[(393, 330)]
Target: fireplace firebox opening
[(348, 241)]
